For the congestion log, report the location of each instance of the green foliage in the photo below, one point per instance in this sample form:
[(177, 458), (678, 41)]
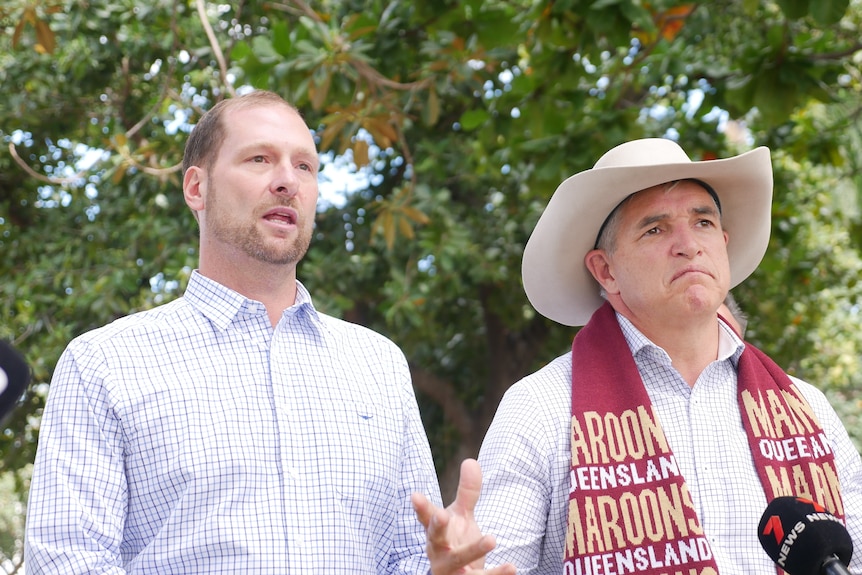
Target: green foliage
[(13, 492), (463, 117), (811, 248)]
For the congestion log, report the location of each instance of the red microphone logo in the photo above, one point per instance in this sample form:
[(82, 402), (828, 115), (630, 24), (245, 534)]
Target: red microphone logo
[(774, 527)]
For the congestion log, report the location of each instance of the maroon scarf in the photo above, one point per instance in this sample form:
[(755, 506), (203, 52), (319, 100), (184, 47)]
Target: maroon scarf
[(629, 507)]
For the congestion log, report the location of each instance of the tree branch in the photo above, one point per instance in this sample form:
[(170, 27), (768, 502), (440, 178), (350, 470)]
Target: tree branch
[(219, 56), (837, 55), (42, 178)]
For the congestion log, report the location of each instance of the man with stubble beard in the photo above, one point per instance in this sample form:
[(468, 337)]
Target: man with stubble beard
[(235, 429)]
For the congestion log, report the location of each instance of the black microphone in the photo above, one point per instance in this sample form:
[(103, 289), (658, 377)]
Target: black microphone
[(803, 538), (14, 376)]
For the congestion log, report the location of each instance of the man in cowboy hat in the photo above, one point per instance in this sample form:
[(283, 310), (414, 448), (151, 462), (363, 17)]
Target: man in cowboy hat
[(656, 443)]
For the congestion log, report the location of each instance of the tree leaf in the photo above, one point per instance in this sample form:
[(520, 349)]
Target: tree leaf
[(45, 36), (360, 153), (828, 12), (472, 119)]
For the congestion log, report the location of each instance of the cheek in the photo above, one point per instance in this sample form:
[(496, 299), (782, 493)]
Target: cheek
[(310, 198), (632, 271), (719, 253)]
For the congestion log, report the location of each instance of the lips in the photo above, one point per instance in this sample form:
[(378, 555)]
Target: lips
[(281, 215), (689, 270)]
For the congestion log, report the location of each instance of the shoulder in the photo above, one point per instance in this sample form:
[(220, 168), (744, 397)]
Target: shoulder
[(172, 316), (353, 335), (820, 405), (814, 396), (372, 359), (539, 404), (551, 382)]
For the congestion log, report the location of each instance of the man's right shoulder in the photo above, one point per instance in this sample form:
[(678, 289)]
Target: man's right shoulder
[(554, 378), (172, 316), (558, 369)]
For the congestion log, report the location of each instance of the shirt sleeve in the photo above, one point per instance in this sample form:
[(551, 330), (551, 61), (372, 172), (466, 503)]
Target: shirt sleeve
[(76, 508), (847, 462), (518, 475), (418, 474)]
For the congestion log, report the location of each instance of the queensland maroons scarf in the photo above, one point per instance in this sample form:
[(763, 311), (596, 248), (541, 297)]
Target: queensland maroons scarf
[(630, 510)]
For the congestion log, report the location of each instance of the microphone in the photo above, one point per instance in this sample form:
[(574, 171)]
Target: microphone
[(14, 376), (803, 538)]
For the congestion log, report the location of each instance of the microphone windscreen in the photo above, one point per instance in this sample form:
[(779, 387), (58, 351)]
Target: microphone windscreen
[(14, 376), (799, 535)]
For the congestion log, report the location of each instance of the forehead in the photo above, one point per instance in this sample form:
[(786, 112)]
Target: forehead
[(686, 195), (273, 123)]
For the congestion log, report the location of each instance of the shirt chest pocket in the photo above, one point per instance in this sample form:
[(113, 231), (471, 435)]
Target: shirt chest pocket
[(353, 443), (347, 456)]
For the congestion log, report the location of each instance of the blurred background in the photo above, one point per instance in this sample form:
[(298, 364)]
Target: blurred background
[(444, 127)]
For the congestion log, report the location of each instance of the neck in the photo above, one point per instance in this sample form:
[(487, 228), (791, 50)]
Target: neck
[(272, 285), (691, 345)]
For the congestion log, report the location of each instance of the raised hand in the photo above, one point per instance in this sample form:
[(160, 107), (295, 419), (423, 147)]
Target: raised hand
[(455, 543)]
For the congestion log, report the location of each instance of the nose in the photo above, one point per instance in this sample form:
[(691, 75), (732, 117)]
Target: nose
[(686, 243), (284, 181)]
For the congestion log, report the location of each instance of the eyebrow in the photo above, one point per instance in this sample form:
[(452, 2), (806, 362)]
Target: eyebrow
[(263, 145), (705, 210)]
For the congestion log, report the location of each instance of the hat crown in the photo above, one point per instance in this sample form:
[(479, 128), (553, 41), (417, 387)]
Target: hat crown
[(645, 152)]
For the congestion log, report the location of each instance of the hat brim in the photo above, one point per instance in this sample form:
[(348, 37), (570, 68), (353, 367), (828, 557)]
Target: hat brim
[(560, 286)]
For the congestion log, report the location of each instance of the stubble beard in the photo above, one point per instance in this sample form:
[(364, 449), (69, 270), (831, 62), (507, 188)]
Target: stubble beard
[(249, 239)]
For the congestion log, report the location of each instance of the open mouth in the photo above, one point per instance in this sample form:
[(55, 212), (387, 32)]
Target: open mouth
[(285, 216)]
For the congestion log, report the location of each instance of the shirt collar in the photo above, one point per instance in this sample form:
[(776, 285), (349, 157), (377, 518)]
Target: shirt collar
[(730, 346), (222, 305)]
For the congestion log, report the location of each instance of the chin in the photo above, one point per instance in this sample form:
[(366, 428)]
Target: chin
[(701, 303)]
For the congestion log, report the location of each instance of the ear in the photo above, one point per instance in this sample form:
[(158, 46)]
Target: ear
[(194, 189), (600, 267)]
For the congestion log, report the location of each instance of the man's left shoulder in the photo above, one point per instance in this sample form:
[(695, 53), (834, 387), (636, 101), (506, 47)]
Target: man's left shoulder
[(355, 334), (806, 388)]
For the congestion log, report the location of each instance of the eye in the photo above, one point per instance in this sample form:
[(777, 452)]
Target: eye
[(652, 231), (258, 159)]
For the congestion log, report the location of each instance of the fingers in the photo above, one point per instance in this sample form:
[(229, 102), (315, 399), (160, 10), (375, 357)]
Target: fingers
[(455, 545), (451, 550), (423, 508), (469, 486), (467, 558), (434, 519), (507, 569), (437, 533)]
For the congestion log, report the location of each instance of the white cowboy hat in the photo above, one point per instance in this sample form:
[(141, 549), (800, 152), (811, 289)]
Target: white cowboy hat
[(556, 280)]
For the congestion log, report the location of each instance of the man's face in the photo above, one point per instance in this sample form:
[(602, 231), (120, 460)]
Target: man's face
[(261, 193), (670, 258)]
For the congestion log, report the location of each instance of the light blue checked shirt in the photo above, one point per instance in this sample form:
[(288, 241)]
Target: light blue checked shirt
[(526, 458), (196, 439)]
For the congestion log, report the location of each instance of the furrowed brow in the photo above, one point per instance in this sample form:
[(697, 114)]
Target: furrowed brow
[(706, 210), (648, 221)]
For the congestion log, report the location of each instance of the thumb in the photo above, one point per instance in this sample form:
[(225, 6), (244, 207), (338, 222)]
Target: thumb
[(469, 486)]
